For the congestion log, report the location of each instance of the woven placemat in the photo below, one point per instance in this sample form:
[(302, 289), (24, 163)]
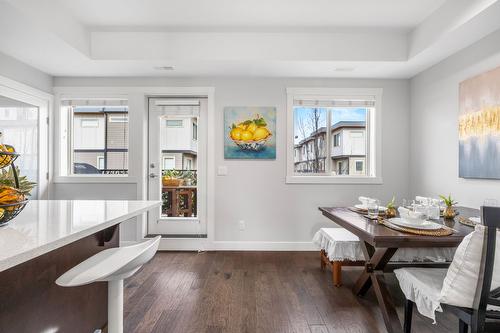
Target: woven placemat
[(444, 231), (466, 221)]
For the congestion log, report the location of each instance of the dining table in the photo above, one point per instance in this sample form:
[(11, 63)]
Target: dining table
[(379, 243)]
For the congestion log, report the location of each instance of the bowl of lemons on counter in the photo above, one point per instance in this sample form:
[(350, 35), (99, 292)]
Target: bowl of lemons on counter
[(250, 134)]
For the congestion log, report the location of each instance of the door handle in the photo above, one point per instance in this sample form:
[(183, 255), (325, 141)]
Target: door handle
[(153, 175)]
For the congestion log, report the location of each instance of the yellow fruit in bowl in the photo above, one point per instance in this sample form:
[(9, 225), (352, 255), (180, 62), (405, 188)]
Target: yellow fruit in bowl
[(252, 127), (236, 133), (260, 133), (246, 136), (242, 126)]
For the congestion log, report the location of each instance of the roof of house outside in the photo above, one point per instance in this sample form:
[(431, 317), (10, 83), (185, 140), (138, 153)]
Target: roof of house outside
[(336, 126), (100, 109)]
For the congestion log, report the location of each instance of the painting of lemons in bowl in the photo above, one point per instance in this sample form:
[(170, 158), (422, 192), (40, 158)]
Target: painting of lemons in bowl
[(249, 133)]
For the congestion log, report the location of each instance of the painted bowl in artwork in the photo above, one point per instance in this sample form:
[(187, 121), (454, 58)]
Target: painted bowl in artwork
[(252, 145)]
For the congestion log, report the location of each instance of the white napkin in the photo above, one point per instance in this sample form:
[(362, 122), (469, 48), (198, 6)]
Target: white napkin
[(476, 220), (423, 200), (364, 200), (406, 213), (403, 212)]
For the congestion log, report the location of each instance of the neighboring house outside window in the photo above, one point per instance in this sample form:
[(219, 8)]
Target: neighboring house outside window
[(330, 136), (99, 133)]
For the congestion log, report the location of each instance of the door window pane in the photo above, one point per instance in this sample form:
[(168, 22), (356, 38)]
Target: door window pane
[(179, 175)]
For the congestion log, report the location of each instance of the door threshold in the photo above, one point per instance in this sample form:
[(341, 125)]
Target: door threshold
[(177, 236)]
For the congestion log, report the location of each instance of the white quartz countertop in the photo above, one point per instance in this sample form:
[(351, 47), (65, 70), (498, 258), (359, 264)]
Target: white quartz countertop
[(45, 225)]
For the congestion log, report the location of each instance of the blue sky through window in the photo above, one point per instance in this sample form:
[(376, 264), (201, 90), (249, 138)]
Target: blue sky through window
[(303, 125)]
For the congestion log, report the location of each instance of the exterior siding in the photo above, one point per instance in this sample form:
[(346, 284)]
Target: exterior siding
[(87, 157)]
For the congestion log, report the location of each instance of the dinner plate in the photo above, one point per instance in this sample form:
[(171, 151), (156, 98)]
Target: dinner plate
[(363, 207), (415, 223)]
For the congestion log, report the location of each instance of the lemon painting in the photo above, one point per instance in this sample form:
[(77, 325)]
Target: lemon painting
[(250, 133)]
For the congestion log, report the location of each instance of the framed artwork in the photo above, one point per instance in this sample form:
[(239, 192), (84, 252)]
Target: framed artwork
[(479, 126), (250, 132)]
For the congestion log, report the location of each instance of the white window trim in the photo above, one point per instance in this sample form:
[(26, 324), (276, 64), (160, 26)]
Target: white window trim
[(64, 93), (373, 150), (44, 102)]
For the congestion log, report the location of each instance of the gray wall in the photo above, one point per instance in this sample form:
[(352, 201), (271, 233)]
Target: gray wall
[(21, 72), (434, 125), (255, 191)]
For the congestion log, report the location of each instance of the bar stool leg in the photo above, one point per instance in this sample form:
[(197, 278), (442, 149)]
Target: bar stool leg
[(115, 306)]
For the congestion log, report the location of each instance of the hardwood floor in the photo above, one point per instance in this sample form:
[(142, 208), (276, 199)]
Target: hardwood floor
[(254, 292)]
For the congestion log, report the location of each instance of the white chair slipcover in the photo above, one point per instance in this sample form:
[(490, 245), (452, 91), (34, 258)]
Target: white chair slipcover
[(340, 244)]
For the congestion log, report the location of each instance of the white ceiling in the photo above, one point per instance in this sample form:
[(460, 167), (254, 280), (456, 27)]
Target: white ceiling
[(251, 14), (271, 38)]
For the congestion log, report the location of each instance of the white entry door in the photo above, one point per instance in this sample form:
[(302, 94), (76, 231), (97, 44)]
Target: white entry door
[(177, 166)]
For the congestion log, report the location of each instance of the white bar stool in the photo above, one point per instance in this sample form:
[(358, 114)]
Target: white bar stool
[(111, 265)]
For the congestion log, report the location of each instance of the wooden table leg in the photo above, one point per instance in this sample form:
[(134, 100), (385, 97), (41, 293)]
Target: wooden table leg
[(373, 274), (376, 259), (386, 303)]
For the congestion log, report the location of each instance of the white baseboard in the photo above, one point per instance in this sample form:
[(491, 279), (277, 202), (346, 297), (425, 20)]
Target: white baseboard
[(193, 244), (264, 246)]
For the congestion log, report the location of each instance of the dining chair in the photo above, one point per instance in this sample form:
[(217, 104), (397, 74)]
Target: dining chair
[(426, 285)]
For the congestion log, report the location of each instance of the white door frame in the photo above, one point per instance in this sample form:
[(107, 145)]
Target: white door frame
[(185, 243), (175, 225), (44, 102)]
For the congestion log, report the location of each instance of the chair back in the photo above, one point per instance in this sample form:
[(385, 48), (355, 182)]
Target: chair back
[(484, 295)]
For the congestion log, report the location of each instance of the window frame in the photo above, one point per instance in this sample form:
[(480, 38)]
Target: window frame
[(63, 148), (163, 162), (99, 158), (373, 129)]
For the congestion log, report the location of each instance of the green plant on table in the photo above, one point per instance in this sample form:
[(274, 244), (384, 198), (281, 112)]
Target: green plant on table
[(448, 201)]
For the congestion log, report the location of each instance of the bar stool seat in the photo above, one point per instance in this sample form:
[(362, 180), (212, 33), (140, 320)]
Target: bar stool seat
[(111, 265)]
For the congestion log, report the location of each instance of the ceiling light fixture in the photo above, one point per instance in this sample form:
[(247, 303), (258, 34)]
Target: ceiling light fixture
[(164, 68)]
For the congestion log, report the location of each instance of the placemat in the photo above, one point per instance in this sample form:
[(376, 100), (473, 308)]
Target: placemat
[(444, 231), (466, 221)]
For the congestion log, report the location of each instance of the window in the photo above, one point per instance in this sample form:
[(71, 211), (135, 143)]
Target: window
[(359, 166), (88, 123), (336, 131), (100, 163), (174, 123), (336, 140), (118, 119), (195, 131), (168, 162), (94, 136), (189, 164)]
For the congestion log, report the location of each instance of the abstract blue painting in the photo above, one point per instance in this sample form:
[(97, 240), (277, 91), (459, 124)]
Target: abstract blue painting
[(479, 126), (249, 132)]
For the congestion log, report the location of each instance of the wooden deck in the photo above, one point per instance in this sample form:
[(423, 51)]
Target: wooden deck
[(254, 292)]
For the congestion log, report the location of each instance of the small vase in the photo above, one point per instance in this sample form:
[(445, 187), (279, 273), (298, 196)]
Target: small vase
[(449, 212), (391, 212)]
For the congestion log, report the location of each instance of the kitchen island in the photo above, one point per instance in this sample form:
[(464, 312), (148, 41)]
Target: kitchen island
[(45, 240)]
